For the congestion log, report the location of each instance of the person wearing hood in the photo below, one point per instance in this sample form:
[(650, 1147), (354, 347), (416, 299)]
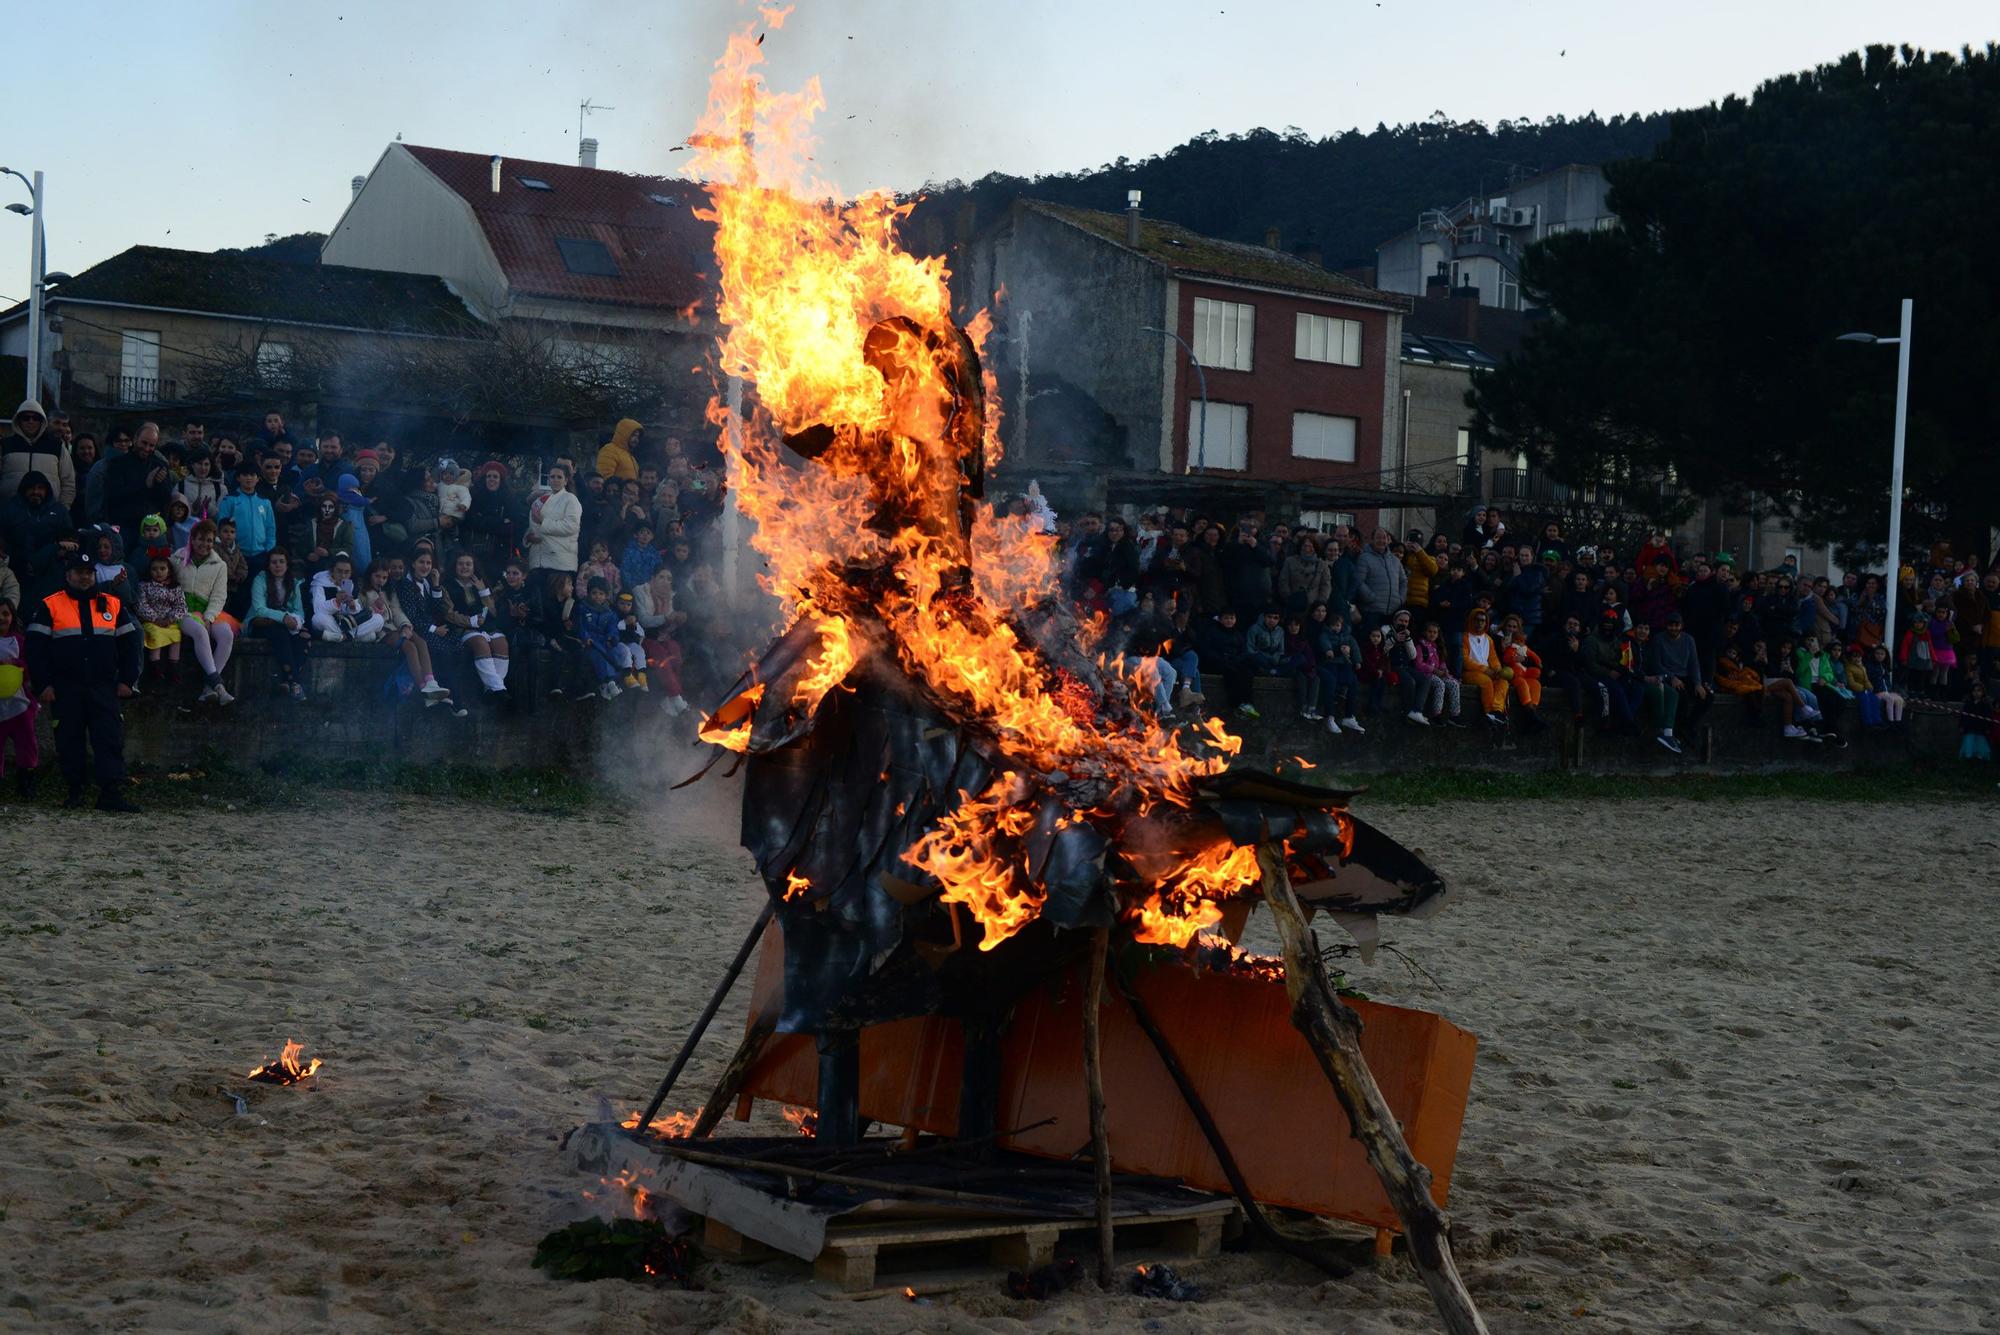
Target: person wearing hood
[(619, 457), (337, 612), (33, 448), (354, 509), (38, 533)]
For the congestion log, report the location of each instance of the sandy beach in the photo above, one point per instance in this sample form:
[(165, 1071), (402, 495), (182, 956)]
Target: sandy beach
[(1733, 1075)]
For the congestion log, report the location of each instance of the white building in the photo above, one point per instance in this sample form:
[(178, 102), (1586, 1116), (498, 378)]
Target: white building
[(1476, 244)]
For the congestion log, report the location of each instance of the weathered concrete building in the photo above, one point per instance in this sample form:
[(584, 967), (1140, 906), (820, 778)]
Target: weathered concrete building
[(1100, 325), (175, 333)]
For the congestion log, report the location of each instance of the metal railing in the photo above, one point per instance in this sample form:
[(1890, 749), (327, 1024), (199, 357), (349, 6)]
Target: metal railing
[(1526, 484), (143, 389)]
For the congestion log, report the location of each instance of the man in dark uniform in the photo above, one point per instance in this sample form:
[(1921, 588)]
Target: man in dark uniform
[(83, 650)]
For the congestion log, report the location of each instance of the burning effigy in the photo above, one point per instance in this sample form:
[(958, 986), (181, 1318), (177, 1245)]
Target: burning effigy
[(953, 796)]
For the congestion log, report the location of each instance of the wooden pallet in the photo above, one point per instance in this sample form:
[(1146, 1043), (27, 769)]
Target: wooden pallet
[(922, 1250)]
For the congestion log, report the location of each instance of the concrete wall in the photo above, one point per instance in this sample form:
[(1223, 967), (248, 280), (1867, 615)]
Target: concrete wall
[(1085, 304), (408, 221), (348, 720)]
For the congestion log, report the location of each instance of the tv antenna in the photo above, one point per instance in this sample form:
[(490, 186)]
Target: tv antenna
[(584, 108)]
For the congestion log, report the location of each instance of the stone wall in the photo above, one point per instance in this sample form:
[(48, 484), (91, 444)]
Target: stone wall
[(350, 719)]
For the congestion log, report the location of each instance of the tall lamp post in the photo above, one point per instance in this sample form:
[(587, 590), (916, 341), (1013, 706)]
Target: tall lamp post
[(1902, 343), (36, 279), (1201, 378)]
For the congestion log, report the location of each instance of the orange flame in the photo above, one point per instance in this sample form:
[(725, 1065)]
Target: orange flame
[(797, 886), (1186, 901), (850, 344), (673, 1126), (804, 1120), (287, 1070)]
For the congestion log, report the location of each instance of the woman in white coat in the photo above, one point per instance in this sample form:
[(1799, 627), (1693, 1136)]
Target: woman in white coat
[(554, 526)]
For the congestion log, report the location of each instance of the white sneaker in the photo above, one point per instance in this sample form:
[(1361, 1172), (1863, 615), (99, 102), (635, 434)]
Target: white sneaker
[(676, 706), (1794, 732), (1417, 716), (223, 697), (434, 687), (609, 690), (1352, 724), (1333, 727), (331, 636), (207, 694)]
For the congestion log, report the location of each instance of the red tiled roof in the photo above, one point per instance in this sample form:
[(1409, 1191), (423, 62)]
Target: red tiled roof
[(663, 253)]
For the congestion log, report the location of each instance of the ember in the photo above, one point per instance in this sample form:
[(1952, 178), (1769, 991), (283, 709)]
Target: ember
[(287, 1070), (805, 1120)]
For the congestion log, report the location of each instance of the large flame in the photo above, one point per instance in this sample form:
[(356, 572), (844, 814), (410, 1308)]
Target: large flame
[(843, 333)]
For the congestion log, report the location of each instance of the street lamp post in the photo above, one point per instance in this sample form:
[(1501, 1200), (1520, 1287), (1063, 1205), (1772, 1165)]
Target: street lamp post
[(1902, 342), (1201, 379), (36, 281)]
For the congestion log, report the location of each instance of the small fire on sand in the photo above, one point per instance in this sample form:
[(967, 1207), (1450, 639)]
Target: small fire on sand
[(287, 1070), (669, 1126)]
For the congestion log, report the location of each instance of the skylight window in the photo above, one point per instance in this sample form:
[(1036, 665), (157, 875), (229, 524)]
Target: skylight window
[(668, 200), (588, 257), (534, 183)]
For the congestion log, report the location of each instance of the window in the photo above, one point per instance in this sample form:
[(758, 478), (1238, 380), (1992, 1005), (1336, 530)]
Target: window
[(1318, 436), (274, 361), (139, 366), (1222, 331), (667, 200), (1464, 446), (583, 255), (1325, 521), (1323, 338), (1228, 441), (1510, 291), (534, 183)]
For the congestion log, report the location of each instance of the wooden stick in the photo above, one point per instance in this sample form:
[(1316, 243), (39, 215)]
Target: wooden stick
[(708, 1013), (776, 1169), (1333, 1031), (1093, 1075), (755, 1039)]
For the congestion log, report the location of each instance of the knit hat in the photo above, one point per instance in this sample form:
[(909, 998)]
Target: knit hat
[(359, 455)]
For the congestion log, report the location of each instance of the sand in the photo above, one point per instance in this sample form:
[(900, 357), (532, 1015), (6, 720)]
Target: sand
[(1732, 1078)]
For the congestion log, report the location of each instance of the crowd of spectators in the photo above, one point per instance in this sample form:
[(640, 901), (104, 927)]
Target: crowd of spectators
[(507, 579), (521, 580), (1500, 628)]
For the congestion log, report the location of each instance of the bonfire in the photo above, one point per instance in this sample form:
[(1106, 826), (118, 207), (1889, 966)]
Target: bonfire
[(287, 1069), (952, 792)]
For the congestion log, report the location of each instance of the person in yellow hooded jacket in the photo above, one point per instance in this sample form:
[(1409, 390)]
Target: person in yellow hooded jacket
[(619, 458)]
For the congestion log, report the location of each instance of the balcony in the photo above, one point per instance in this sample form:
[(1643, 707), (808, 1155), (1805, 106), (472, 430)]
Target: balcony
[(1531, 487), (134, 391)]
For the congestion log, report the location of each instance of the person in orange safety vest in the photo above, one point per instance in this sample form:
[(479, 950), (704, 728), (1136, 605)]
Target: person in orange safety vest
[(83, 652)]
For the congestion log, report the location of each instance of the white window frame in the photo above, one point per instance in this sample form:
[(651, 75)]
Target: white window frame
[(1322, 432), (1228, 446), (138, 360), (1224, 332), (1325, 521), (1464, 446), (1333, 339)]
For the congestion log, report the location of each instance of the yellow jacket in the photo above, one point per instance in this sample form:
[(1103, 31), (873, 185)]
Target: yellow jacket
[(615, 459), (1423, 568)]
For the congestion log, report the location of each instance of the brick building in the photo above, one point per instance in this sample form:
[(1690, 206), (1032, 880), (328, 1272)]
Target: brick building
[(1095, 327)]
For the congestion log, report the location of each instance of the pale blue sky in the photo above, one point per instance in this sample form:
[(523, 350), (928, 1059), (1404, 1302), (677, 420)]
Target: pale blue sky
[(208, 123)]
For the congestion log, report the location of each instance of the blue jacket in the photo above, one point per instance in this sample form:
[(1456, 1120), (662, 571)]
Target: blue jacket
[(261, 610), (256, 522), (597, 626), (1524, 595)]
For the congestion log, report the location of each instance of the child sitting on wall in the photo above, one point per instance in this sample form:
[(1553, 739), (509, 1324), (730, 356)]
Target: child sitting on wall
[(161, 607), (597, 625)]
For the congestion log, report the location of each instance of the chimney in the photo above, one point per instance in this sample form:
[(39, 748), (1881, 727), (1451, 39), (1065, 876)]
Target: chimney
[(1132, 218), (496, 173), (586, 152), (357, 183), (1270, 238)]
